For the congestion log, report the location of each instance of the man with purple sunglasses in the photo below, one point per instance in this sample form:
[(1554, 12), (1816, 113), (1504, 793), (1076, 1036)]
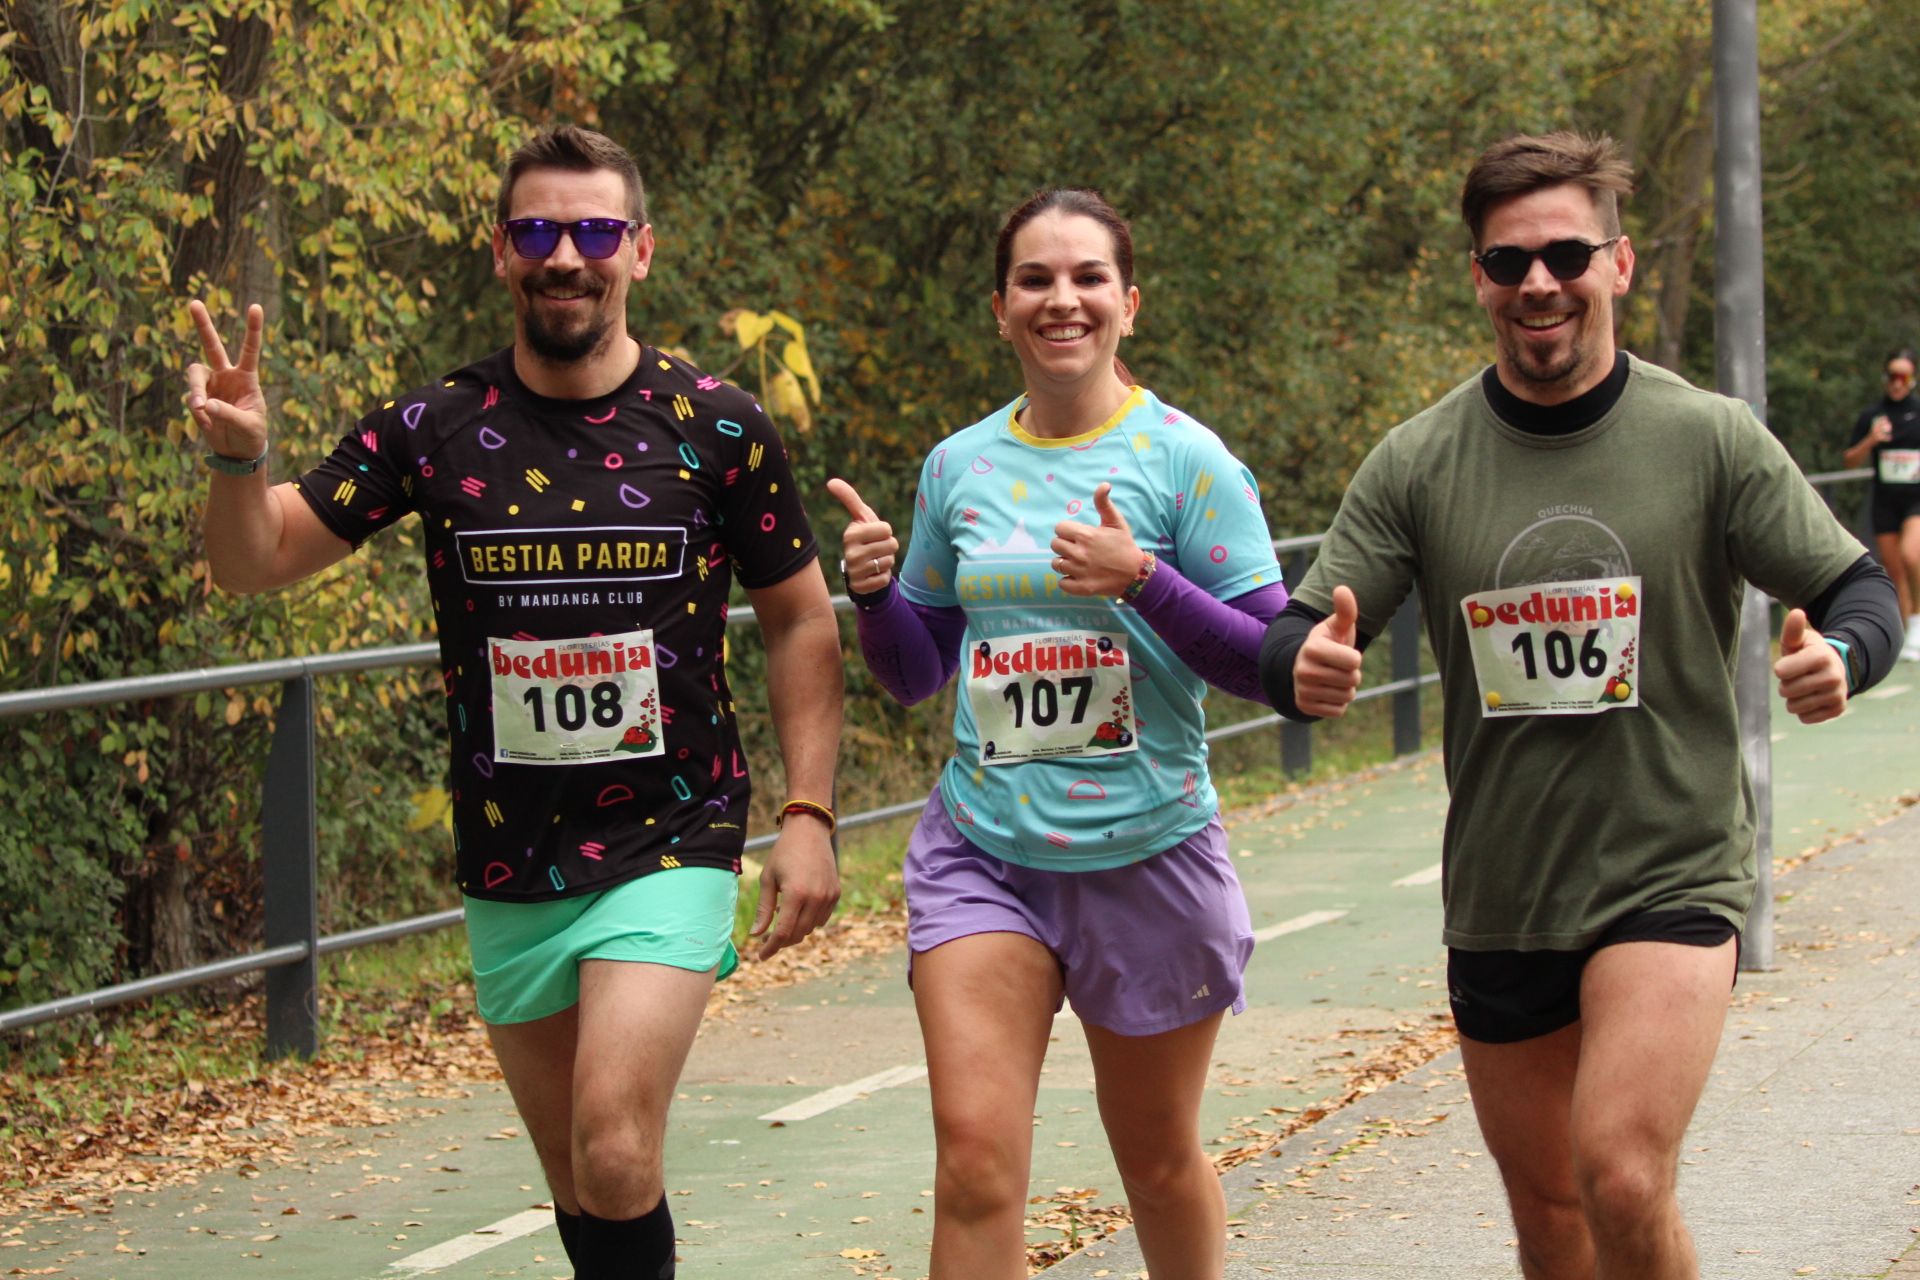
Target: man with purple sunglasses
[(586, 501)]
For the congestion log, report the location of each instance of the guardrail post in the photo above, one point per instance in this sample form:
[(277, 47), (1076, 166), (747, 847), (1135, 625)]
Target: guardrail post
[(288, 861), (1405, 633), (1296, 749)]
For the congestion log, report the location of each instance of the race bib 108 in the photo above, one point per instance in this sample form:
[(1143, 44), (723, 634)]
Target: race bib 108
[(1556, 649), (1051, 694), (575, 701)]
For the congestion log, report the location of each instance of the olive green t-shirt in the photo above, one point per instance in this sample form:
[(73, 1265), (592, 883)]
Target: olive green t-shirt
[(1592, 750)]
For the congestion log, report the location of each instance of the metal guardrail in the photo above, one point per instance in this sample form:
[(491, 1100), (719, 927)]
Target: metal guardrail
[(289, 854)]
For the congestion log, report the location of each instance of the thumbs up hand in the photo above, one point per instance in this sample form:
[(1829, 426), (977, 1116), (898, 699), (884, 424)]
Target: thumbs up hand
[(868, 547), (1326, 671), (1096, 560), (1812, 674)]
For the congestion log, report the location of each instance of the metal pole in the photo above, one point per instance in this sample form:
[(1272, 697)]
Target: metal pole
[(288, 859), (1404, 631), (1296, 749), (1740, 359)]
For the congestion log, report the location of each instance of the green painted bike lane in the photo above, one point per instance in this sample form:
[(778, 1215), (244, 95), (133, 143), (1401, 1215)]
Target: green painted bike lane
[(1341, 879)]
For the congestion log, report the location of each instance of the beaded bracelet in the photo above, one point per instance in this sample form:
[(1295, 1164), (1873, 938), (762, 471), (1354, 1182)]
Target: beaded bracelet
[(807, 806), (1148, 563)]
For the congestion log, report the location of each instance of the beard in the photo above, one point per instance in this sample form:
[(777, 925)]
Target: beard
[(1549, 368), (575, 341), (1553, 371)]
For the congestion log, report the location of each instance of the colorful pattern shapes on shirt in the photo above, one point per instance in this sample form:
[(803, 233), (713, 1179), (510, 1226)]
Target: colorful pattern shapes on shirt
[(558, 521), (989, 499)]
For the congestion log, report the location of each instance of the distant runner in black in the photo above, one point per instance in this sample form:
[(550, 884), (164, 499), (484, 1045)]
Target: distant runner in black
[(1886, 437)]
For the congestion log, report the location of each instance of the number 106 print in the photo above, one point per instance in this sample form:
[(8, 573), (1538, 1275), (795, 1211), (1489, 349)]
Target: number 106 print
[(1556, 649)]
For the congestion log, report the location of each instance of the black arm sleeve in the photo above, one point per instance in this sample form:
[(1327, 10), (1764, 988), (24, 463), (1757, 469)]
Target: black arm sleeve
[(1282, 645), (1860, 608)]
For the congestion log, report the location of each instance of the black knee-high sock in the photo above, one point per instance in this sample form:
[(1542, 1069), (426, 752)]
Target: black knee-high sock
[(569, 1224), (631, 1249)]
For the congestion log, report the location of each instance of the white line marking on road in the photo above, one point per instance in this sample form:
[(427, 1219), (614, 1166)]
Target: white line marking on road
[(1426, 875), (1888, 691), (841, 1094), (1296, 924), (1778, 737), (460, 1248)]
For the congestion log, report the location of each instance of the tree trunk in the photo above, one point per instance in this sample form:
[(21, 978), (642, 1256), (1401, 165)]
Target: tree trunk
[(221, 249), (1686, 217), (48, 53)]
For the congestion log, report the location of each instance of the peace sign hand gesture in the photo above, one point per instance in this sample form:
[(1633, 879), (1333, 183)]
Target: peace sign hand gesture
[(223, 397)]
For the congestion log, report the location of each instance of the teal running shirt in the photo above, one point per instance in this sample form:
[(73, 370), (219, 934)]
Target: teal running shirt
[(1078, 735)]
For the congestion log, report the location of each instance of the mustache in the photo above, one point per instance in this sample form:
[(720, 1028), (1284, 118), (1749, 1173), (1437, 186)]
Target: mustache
[(582, 280)]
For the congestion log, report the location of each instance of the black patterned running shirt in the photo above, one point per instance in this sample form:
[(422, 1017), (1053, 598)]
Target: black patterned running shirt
[(579, 554)]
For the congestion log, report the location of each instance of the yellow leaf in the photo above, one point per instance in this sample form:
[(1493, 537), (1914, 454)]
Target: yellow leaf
[(750, 327), (787, 322), (429, 807), (795, 357), (786, 400), (236, 707)]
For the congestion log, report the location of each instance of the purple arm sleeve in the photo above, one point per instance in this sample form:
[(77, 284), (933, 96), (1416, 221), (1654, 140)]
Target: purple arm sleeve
[(912, 649), (1218, 639)]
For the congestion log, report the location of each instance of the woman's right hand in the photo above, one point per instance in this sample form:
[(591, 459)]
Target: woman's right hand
[(868, 547), (1881, 431)]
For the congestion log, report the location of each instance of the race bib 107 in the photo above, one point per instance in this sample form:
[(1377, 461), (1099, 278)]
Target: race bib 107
[(1051, 694), (575, 701), (1556, 649)]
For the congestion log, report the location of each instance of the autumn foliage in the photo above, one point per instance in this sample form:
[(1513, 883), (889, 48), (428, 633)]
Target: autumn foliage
[(1291, 171)]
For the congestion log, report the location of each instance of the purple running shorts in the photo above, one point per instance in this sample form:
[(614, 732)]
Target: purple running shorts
[(1144, 948)]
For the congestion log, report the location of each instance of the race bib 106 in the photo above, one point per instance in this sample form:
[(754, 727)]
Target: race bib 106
[(1900, 466), (575, 701), (1051, 694), (1556, 649)]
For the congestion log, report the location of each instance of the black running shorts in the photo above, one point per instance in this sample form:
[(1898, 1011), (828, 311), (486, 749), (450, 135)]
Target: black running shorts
[(1893, 504), (1500, 997)]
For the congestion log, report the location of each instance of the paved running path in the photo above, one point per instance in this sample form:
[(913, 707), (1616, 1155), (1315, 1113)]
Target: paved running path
[(1341, 885)]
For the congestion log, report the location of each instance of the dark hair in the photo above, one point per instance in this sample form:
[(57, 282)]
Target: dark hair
[(1083, 202), (578, 150), (1900, 353), (1526, 163)]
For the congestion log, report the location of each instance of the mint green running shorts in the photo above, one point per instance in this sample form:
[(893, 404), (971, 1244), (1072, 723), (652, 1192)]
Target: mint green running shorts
[(526, 955)]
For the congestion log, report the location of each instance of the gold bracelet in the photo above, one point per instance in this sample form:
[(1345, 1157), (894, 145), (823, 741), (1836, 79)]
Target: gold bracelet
[(807, 806)]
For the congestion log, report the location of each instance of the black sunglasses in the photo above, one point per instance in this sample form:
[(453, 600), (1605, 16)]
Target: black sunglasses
[(593, 237), (1508, 265)]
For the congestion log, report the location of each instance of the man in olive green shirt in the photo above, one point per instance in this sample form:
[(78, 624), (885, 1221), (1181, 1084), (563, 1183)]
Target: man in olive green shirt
[(1580, 526)]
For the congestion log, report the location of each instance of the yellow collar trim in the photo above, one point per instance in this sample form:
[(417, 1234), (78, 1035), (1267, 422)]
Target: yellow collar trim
[(1024, 436)]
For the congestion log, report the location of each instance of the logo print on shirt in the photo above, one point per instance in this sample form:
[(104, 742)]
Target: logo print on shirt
[(595, 554)]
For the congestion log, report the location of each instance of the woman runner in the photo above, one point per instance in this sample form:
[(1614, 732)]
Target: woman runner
[(1072, 845)]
